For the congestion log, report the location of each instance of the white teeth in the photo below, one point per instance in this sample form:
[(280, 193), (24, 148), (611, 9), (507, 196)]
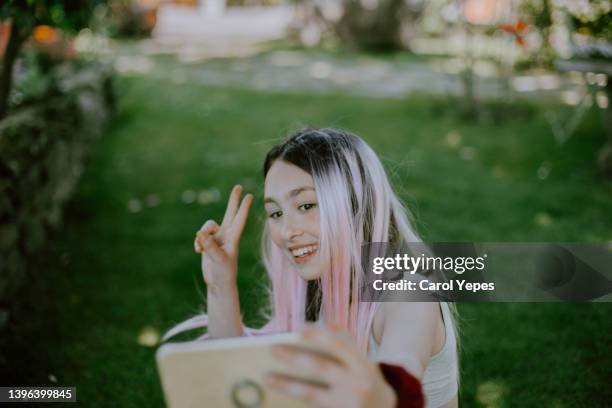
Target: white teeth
[(304, 251)]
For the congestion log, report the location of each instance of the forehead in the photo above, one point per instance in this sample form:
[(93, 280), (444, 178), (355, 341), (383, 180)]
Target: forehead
[(284, 177)]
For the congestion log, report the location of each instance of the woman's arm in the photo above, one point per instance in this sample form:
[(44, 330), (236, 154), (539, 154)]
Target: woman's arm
[(224, 317), (218, 245), (410, 334)]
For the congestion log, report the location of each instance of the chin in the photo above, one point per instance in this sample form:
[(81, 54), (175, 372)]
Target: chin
[(308, 273)]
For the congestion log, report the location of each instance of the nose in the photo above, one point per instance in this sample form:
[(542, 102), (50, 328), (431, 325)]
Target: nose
[(291, 229)]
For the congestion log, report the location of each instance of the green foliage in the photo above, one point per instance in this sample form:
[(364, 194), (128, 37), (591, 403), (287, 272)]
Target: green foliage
[(34, 83), (591, 17), (538, 12), (27, 14), (600, 27), (64, 14)]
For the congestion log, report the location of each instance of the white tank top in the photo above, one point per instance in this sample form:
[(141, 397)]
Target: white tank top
[(440, 380)]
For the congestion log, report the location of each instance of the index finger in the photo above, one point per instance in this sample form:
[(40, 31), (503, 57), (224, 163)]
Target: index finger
[(232, 206), (338, 343), (240, 219)]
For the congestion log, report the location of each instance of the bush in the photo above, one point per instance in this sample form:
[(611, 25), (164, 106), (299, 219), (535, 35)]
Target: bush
[(43, 146)]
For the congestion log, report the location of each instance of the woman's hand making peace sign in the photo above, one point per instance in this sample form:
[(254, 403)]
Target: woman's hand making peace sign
[(218, 244)]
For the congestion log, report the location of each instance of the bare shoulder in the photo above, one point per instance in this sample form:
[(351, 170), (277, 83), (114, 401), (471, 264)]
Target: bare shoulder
[(405, 312), (406, 316)]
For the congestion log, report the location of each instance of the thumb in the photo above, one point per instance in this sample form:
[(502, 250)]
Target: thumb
[(213, 250)]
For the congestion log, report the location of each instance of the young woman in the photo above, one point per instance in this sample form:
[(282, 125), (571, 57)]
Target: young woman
[(326, 193)]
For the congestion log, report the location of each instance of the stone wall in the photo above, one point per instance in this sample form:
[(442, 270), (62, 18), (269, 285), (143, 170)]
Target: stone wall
[(43, 147)]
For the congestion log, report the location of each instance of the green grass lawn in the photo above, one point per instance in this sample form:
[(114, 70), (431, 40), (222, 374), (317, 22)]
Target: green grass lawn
[(110, 272)]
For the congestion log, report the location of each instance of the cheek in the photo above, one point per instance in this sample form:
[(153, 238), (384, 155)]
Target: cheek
[(313, 221), (275, 233)]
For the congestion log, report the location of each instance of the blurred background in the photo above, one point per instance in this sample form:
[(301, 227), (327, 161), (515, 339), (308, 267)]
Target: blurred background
[(125, 123)]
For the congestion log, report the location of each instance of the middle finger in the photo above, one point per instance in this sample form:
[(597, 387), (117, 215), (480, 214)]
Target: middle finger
[(337, 343), (232, 206), (324, 365)]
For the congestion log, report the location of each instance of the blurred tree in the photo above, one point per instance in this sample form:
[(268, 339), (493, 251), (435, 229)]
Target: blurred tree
[(359, 24), (538, 14), (24, 16), (129, 18), (371, 24), (376, 24)]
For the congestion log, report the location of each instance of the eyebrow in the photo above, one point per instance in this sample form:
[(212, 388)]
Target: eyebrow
[(293, 193)]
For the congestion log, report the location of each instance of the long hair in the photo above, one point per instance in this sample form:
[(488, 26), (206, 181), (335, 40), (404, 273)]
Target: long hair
[(357, 205)]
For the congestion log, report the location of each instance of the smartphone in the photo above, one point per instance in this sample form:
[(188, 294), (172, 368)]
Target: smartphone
[(229, 372)]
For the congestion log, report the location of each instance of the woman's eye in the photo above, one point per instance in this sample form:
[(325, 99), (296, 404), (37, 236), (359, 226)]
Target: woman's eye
[(307, 207), (275, 215)]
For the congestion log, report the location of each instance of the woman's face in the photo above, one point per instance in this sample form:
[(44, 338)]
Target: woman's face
[(293, 216)]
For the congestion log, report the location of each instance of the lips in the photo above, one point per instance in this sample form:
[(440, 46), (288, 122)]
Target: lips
[(303, 253)]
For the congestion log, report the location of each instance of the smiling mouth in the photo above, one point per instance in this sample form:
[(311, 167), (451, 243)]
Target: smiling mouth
[(304, 254)]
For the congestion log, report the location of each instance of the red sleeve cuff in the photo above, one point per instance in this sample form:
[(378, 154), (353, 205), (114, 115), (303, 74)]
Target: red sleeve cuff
[(407, 388)]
